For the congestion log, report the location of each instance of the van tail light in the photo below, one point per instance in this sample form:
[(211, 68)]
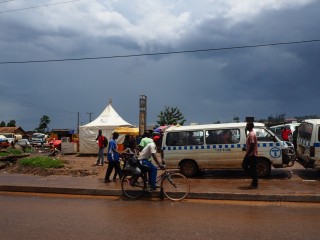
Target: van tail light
[(312, 151)]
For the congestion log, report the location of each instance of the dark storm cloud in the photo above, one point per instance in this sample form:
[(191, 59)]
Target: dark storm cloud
[(269, 80), (207, 86)]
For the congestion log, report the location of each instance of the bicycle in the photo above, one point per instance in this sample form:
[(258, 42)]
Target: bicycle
[(173, 185)]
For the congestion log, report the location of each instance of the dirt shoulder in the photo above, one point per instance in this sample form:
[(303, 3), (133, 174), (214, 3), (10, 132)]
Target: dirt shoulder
[(74, 165)]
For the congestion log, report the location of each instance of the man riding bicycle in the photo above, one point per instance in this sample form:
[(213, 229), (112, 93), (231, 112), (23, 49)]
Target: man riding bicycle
[(147, 152)]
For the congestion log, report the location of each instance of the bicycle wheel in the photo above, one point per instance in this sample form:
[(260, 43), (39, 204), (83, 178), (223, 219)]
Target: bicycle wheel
[(132, 185), (175, 186)]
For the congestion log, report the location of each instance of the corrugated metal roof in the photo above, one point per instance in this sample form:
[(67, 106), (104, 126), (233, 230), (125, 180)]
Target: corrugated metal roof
[(11, 129)]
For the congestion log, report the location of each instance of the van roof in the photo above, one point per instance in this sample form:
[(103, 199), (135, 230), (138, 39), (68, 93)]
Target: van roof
[(286, 124), (211, 126), (314, 121)]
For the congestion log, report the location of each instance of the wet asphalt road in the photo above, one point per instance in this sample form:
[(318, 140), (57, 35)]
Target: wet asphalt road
[(43, 216)]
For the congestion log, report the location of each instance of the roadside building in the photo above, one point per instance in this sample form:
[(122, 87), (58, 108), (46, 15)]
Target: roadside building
[(15, 130)]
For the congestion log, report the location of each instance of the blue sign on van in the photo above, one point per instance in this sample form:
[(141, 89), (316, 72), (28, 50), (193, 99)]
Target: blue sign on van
[(275, 152)]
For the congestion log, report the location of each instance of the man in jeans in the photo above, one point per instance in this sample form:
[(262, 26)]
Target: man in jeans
[(113, 158), (147, 152), (250, 160)]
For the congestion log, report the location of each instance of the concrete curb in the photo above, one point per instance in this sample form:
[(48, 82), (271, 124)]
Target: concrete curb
[(256, 197), (192, 195), (57, 190)]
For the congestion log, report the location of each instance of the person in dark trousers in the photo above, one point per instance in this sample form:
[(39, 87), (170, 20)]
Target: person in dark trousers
[(100, 140), (113, 158), (249, 163), (295, 137), (150, 151)]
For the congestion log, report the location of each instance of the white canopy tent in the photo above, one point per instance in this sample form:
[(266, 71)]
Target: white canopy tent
[(108, 121)]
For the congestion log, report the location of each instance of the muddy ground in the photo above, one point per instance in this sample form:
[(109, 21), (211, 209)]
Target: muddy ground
[(74, 165)]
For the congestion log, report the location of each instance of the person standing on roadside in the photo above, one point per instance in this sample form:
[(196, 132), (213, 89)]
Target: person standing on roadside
[(100, 141), (113, 158), (295, 137), (145, 140), (286, 133), (249, 163)]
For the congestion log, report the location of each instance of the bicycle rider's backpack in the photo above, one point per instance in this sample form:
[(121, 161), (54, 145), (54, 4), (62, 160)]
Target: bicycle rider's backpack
[(105, 142)]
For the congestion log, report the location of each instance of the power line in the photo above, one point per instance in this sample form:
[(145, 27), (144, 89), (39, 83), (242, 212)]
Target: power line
[(160, 53), (23, 102), (45, 5), (6, 1)]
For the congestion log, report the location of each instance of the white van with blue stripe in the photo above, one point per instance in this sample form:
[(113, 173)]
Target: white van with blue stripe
[(308, 143), (222, 146)]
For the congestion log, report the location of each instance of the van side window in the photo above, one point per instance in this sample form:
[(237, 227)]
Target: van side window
[(305, 130), (185, 138), (222, 136)]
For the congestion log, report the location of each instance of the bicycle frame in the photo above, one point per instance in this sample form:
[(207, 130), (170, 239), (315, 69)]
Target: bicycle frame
[(173, 185), (145, 177)]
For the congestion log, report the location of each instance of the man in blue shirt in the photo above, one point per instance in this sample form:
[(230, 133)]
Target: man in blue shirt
[(113, 158)]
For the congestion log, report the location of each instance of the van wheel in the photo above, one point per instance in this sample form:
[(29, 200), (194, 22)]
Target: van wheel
[(263, 168), (189, 168)]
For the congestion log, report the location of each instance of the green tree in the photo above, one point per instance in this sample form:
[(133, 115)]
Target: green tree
[(43, 125), (171, 116), (11, 123), (2, 124)]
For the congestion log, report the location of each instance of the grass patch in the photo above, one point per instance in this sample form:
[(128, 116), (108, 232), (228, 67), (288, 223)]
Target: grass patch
[(11, 151), (28, 150), (41, 162)]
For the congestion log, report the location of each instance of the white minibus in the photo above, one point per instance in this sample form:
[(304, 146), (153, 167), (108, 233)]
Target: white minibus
[(308, 143), (222, 146)]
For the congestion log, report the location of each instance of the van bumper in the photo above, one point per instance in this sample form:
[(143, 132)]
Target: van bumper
[(288, 159)]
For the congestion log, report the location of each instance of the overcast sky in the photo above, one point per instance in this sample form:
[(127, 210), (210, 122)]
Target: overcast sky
[(206, 86)]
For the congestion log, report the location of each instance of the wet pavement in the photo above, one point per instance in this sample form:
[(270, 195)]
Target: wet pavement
[(293, 184)]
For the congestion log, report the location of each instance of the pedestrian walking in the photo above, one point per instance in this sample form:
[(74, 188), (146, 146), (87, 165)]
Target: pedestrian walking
[(146, 139), (249, 163), (101, 144), (113, 158)]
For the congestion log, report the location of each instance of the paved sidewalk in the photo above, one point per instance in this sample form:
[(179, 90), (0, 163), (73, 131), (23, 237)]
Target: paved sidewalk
[(292, 189)]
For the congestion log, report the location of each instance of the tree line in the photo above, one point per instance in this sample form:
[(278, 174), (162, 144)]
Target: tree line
[(42, 128)]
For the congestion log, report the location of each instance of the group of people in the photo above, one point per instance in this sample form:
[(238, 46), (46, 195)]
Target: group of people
[(145, 152), (147, 149)]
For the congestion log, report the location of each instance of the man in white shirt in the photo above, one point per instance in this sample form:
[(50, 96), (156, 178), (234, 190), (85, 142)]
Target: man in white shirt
[(150, 151)]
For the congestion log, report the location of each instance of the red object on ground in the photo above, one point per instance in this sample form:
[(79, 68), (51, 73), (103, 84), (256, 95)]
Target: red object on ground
[(4, 144), (56, 143)]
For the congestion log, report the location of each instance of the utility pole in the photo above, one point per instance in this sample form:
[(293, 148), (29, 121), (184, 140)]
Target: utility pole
[(90, 114), (142, 114), (78, 122)]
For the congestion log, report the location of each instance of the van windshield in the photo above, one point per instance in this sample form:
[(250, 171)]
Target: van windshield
[(263, 135), (305, 130), (8, 135), (37, 135)]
